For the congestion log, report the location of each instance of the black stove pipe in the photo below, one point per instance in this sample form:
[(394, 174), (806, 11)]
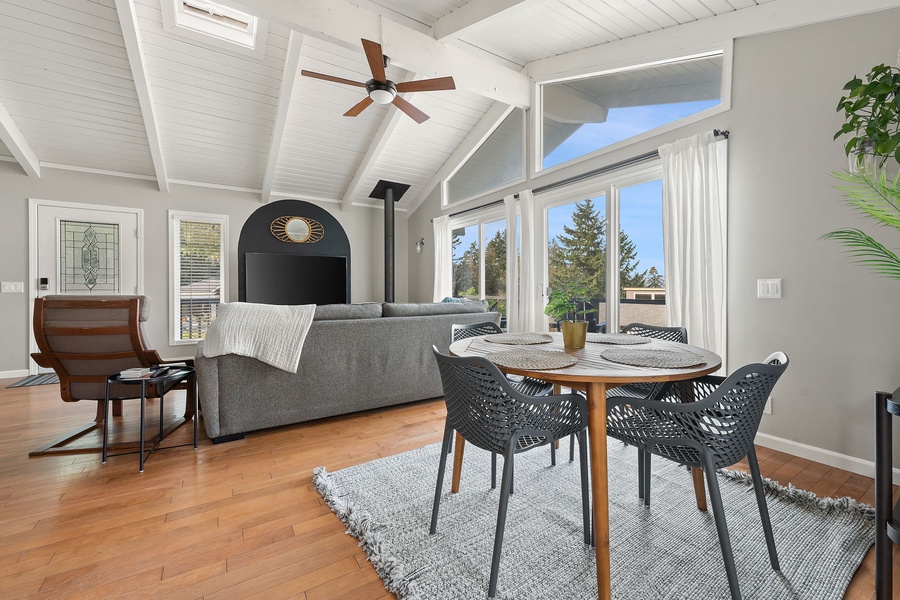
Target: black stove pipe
[(389, 245)]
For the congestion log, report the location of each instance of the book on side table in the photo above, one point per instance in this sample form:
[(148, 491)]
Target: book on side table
[(142, 372)]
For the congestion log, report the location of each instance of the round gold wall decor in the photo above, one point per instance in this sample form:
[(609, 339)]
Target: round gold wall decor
[(297, 230)]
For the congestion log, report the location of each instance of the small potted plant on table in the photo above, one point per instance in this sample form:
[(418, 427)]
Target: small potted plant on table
[(563, 305)]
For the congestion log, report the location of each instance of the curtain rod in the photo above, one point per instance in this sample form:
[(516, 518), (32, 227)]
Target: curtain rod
[(723, 133)]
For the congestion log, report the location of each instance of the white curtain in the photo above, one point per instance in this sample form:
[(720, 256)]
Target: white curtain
[(530, 314), (512, 269), (695, 216), (443, 261)]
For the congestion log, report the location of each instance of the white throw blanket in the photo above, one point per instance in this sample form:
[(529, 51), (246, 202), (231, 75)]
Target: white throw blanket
[(269, 333)]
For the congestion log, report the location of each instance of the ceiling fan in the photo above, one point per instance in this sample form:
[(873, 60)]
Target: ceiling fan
[(382, 90)]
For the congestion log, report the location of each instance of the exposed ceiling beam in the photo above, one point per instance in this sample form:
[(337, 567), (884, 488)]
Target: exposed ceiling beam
[(454, 25), (491, 120), (382, 137), (393, 14), (756, 20), (343, 22), (18, 145), (288, 77), (132, 34)]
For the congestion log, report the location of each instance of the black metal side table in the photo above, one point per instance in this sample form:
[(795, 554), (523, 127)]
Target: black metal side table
[(160, 377), (887, 514)]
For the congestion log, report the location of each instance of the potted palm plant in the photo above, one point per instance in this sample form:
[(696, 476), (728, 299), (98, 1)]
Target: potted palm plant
[(565, 305), (871, 110)]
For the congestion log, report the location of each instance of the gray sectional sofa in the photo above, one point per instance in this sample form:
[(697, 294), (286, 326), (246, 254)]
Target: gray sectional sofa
[(355, 357)]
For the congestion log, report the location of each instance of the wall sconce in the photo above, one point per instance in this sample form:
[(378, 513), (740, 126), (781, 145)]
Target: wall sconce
[(419, 245)]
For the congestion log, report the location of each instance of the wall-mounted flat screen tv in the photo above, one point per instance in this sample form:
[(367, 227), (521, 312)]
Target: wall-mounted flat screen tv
[(295, 279)]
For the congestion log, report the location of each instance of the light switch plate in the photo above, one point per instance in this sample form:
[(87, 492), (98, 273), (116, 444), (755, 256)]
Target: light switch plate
[(12, 287), (768, 288)]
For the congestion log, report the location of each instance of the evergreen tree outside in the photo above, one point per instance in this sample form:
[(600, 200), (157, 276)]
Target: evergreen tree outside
[(495, 265), (655, 279), (495, 270), (578, 255), (465, 273)]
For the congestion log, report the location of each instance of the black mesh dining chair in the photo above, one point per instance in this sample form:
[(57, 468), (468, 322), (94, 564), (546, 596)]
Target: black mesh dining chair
[(491, 414), (713, 432), (649, 391), (524, 385)]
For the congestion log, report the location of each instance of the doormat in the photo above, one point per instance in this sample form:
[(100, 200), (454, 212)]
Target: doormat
[(43, 379)]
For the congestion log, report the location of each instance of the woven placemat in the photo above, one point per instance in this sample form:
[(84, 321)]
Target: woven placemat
[(532, 360), (519, 339), (667, 359), (619, 339)]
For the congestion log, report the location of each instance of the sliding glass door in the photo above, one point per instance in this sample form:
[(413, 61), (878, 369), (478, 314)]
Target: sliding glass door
[(607, 225)]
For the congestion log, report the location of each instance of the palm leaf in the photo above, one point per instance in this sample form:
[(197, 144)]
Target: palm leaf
[(867, 251), (871, 192)]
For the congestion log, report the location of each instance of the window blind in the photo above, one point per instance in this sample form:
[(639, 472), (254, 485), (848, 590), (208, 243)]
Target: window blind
[(199, 276)]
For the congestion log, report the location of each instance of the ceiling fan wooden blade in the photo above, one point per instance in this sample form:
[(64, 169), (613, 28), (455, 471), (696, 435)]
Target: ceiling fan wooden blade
[(376, 59), (358, 107), (427, 85), (417, 115), (332, 78)]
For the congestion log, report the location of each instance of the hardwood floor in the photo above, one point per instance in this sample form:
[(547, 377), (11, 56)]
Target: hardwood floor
[(236, 520)]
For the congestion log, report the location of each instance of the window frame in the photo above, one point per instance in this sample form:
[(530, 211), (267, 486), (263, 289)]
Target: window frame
[(480, 218), (175, 217), (726, 47), (608, 185)]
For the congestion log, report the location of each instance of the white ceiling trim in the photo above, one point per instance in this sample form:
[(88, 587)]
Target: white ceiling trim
[(454, 25), (17, 144), (763, 18), (382, 137), (491, 120), (345, 23), (134, 49), (92, 171), (288, 77)]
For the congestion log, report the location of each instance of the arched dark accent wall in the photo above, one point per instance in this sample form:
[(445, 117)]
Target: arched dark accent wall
[(257, 238)]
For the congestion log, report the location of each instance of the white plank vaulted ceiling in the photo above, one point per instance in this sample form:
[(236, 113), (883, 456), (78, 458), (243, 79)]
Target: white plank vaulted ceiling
[(105, 86)]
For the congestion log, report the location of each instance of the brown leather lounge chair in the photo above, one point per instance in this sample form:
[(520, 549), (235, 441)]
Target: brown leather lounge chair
[(87, 338)]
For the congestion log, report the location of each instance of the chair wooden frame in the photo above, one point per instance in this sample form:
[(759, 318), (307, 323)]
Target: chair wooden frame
[(139, 355)]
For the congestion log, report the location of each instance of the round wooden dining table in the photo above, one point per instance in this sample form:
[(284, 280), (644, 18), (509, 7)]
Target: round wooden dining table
[(594, 375)]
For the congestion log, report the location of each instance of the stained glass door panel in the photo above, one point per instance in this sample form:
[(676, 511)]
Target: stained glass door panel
[(89, 258)]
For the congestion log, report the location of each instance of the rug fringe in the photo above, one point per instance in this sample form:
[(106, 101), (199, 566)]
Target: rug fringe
[(804, 497), (361, 526)]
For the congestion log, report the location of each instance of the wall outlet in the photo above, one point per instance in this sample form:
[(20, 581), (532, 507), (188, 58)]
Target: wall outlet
[(768, 408), (12, 287)]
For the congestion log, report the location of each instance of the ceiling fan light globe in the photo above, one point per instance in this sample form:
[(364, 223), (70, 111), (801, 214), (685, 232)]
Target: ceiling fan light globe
[(382, 96), (381, 92)]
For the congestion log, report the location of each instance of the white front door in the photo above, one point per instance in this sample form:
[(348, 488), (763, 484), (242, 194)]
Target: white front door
[(84, 249)]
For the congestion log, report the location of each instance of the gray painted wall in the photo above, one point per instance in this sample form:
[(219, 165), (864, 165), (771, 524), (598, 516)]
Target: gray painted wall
[(836, 321), (364, 227)]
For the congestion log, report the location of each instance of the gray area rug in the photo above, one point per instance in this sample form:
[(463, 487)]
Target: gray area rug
[(669, 551), (44, 379)]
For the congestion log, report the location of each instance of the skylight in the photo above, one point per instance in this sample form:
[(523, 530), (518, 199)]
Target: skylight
[(219, 15), (215, 24)]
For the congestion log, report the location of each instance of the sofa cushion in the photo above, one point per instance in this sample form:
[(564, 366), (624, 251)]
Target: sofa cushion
[(334, 312), (437, 308)]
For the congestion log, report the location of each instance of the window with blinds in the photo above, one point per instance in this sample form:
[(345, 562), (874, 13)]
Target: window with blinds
[(198, 267)]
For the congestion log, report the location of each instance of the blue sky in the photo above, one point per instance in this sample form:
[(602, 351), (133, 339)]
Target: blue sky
[(621, 124)]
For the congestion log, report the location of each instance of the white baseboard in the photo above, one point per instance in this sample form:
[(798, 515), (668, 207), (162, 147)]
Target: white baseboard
[(820, 455), (15, 373)]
